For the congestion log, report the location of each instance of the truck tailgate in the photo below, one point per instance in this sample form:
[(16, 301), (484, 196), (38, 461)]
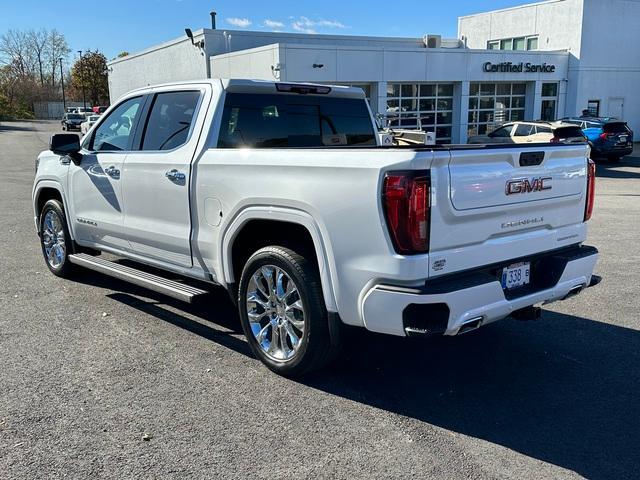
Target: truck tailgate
[(479, 180), (495, 204)]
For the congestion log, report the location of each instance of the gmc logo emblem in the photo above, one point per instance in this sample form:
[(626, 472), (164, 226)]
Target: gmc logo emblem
[(524, 185)]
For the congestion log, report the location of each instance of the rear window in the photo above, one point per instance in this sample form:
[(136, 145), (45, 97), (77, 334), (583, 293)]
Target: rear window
[(569, 132), (75, 116), (618, 127), (170, 120), (280, 121)]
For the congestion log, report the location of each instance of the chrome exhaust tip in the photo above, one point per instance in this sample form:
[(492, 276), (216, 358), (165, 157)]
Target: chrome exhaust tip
[(574, 291), (595, 280), (471, 325)]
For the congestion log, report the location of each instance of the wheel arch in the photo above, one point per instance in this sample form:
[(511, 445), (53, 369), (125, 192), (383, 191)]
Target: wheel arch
[(44, 191), (274, 215)]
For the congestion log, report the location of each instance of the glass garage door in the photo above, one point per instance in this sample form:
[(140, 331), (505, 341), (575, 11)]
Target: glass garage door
[(492, 104), (430, 106)]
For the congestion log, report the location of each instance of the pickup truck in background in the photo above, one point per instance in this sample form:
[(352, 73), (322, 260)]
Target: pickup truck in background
[(283, 195)]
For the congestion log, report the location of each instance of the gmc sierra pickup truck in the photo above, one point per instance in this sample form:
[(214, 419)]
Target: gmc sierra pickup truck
[(284, 195)]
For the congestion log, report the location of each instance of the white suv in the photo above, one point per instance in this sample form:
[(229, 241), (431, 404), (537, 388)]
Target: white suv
[(532, 132)]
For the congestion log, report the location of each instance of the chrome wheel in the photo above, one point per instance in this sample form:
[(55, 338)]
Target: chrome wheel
[(275, 312), (53, 241)]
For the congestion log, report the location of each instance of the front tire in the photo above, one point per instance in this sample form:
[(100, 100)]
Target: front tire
[(55, 240), (283, 313)]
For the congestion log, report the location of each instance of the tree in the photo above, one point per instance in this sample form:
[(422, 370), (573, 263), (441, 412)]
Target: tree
[(29, 62), (37, 42), (15, 50), (123, 54), (90, 73), (57, 48)]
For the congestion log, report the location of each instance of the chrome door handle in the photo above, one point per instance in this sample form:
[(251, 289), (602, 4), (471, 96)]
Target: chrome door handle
[(175, 175), (112, 171)]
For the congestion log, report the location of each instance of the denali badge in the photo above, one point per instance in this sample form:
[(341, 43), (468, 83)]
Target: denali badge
[(524, 185), (87, 222), (523, 223)]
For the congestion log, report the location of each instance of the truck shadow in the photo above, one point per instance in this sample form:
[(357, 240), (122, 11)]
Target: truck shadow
[(619, 169), (13, 127), (563, 390)]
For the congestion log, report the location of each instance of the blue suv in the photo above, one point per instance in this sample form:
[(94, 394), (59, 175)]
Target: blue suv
[(609, 138)]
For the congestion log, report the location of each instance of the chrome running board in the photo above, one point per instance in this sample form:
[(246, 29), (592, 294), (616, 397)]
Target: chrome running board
[(176, 290)]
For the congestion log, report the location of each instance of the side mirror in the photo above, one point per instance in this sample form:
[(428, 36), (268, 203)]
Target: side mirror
[(67, 144)]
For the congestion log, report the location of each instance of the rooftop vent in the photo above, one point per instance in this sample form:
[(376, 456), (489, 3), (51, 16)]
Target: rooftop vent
[(432, 41)]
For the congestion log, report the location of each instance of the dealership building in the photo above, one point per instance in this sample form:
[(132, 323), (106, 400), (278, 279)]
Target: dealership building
[(543, 61)]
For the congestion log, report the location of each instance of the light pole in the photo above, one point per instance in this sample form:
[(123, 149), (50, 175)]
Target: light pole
[(64, 99), (84, 99)]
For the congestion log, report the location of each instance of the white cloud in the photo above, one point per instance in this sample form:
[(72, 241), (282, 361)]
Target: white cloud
[(306, 25), (239, 22), (331, 24), (273, 24)]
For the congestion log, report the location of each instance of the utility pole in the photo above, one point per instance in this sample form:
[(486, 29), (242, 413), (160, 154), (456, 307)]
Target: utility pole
[(64, 99), (84, 98)]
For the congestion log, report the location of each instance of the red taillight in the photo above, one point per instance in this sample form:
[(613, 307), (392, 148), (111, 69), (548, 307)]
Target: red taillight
[(591, 189), (605, 136), (407, 206)]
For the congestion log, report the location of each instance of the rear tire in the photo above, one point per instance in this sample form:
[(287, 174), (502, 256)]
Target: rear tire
[(283, 313), (55, 240)]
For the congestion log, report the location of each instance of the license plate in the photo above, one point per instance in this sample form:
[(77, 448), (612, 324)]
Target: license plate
[(516, 275)]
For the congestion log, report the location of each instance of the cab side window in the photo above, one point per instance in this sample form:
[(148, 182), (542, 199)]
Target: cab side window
[(170, 120), (115, 132)]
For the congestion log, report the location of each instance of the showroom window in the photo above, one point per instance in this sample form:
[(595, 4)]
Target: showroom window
[(429, 106), (549, 108), (492, 104)]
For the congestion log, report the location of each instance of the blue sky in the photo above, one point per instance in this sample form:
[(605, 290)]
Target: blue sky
[(116, 25)]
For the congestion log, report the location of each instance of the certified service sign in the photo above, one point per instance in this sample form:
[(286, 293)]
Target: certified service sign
[(508, 67)]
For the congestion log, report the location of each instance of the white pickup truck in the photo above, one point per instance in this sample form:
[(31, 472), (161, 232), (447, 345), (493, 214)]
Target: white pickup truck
[(283, 195)]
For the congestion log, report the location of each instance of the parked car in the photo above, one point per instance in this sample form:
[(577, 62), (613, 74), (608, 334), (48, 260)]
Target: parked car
[(88, 123), (609, 137), (283, 195), (532, 132), (72, 121), (85, 111)]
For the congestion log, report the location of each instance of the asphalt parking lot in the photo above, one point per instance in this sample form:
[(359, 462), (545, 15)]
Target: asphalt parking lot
[(102, 379)]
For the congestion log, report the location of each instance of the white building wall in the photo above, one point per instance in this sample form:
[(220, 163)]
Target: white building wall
[(256, 63), (380, 66), (609, 66), (601, 36), (179, 60), (558, 24), (173, 61)]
